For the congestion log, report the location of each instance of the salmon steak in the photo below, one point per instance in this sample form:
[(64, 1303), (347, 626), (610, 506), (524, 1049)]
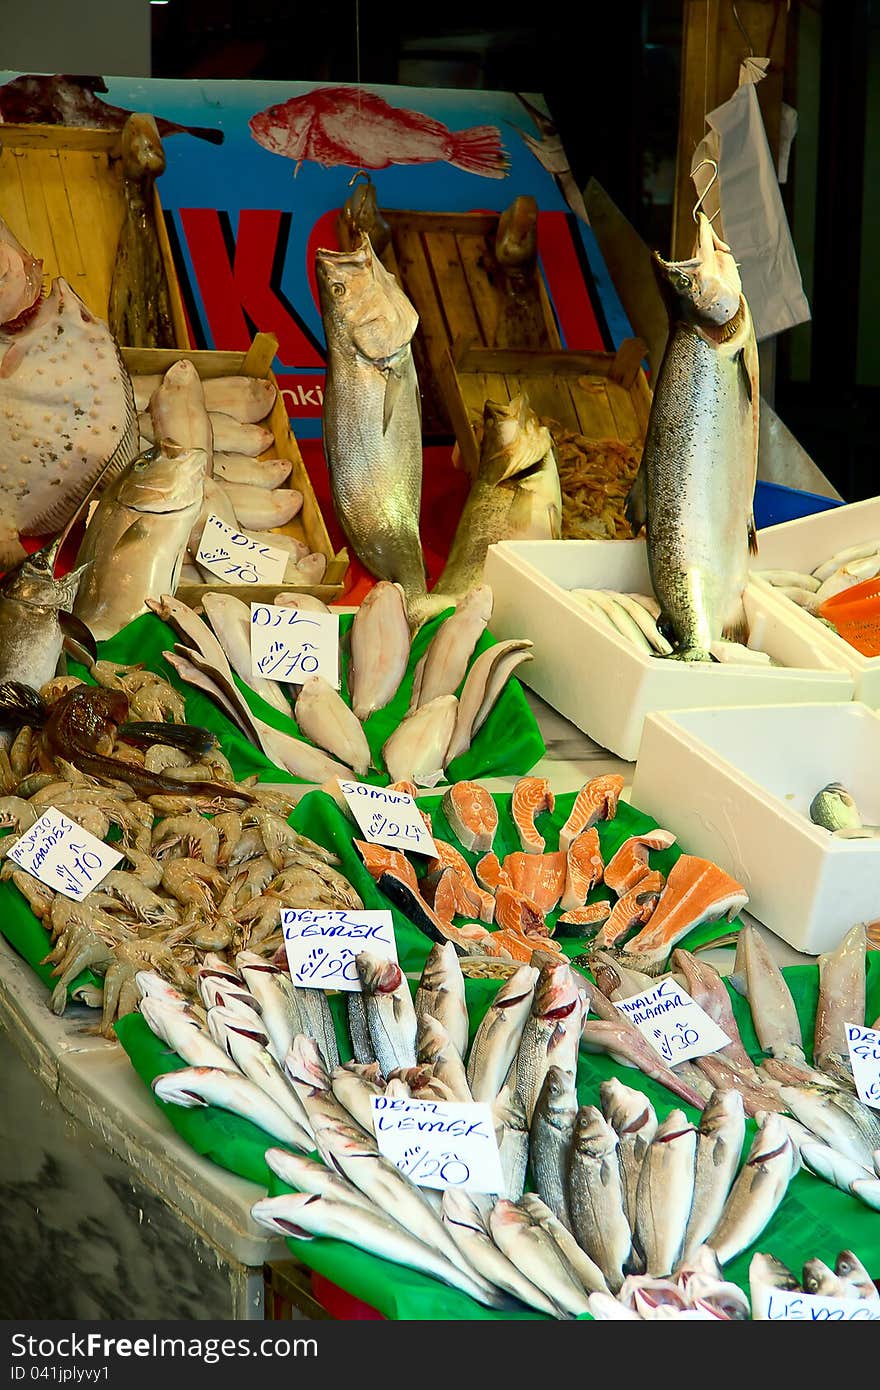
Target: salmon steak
[(448, 857), (490, 874), (584, 868), (379, 860), (592, 915), (522, 948), (472, 814), (632, 910), (531, 796), (630, 864), (697, 891), (522, 914), (453, 897), (597, 800), (540, 877)]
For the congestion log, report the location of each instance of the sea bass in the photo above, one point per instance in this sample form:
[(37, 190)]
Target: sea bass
[(695, 488), (34, 617), (135, 542)]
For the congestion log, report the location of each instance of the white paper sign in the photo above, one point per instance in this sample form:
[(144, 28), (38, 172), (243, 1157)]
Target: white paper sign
[(64, 856), (388, 818), (864, 1056), (439, 1143), (291, 644), (815, 1307), (322, 946), (236, 559), (673, 1023)]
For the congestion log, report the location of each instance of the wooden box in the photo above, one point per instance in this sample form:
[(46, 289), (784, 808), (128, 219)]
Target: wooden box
[(308, 525), (61, 194)]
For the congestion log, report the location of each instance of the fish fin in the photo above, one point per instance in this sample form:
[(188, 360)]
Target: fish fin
[(78, 639), (393, 386), (753, 537), (736, 628), (749, 360), (636, 509)]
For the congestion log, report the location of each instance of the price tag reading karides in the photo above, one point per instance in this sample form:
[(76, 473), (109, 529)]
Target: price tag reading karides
[(63, 855), (292, 644), (864, 1056), (388, 818), (322, 946), (673, 1023), (439, 1143), (236, 558)]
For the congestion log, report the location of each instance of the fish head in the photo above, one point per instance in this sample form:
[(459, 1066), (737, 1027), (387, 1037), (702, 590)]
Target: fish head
[(708, 285), (21, 276), (819, 1279), (33, 579), (725, 1108), (164, 478), (280, 1213), (142, 145), (286, 127), (557, 1095), (593, 1136), (183, 1087), (378, 976), (513, 439), (765, 1271), (362, 304), (556, 993), (304, 1065), (459, 1209)]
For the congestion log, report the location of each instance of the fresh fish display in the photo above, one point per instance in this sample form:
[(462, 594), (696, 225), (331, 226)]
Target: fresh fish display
[(757, 1191), (633, 1120), (200, 1086), (471, 1234), (533, 1250), (584, 868), (484, 682), (720, 1138), (441, 994), (391, 1016), (665, 1193), (596, 801), (531, 796), (758, 976), (417, 750), (497, 1039), (139, 311), (595, 1195), (36, 618), (445, 663), (380, 644), (472, 814), (177, 409), (230, 620), (550, 1138), (325, 718), (696, 891), (630, 864)]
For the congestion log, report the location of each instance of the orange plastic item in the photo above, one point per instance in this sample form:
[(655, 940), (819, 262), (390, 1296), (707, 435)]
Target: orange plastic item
[(856, 615)]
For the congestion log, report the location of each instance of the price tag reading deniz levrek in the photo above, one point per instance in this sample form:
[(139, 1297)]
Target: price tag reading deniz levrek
[(388, 818), (440, 1143), (236, 558), (864, 1057), (673, 1023), (291, 644), (322, 946), (783, 1306), (63, 855)]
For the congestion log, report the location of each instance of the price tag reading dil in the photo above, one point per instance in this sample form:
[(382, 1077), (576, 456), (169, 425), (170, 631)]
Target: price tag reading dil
[(440, 1143), (236, 558), (388, 818), (291, 644), (673, 1023), (63, 855), (322, 946), (864, 1056)]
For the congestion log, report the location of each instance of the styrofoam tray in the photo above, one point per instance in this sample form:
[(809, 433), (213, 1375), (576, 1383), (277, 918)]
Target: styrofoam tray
[(804, 544), (603, 684), (735, 785)]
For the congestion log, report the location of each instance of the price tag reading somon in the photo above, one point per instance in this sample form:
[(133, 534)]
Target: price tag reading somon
[(673, 1023), (63, 855), (236, 558), (864, 1057), (440, 1143), (322, 946), (388, 818), (291, 644)]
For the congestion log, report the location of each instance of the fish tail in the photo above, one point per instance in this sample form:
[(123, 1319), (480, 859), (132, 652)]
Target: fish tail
[(736, 627), (480, 151), (421, 608)]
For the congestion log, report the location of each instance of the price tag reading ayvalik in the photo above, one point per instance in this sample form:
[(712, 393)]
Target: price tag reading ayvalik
[(673, 1023), (63, 855), (790, 1306), (291, 644), (440, 1143), (864, 1056), (322, 946), (388, 818), (236, 558)]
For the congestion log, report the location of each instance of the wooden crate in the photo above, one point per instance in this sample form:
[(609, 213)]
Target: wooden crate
[(601, 395), (308, 525), (445, 262), (288, 1292), (61, 194)]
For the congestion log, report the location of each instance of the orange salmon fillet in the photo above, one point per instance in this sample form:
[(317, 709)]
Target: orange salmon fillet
[(597, 800), (583, 868), (540, 877), (630, 864), (531, 796)]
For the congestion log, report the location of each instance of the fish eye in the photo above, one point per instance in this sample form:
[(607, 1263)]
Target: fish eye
[(338, 288)]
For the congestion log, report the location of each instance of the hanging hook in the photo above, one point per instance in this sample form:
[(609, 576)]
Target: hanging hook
[(741, 27), (714, 177), (360, 173)]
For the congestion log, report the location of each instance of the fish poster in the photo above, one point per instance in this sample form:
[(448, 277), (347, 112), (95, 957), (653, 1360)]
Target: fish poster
[(257, 173)]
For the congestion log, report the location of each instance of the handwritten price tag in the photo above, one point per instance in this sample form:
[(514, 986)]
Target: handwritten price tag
[(673, 1023), (864, 1056), (440, 1143), (63, 855), (236, 559), (291, 644), (815, 1307), (322, 946), (388, 818)]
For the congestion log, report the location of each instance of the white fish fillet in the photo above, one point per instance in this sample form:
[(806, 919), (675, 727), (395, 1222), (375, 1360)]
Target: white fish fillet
[(446, 659), (242, 469), (231, 621), (380, 646), (178, 412), (416, 751), (259, 508), (325, 718), (231, 436)]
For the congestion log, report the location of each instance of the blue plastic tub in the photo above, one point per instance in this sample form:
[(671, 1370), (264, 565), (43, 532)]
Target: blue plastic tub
[(775, 503)]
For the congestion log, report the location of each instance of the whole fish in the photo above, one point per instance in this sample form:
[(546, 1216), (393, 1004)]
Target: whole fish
[(184, 1034), (831, 1165), (838, 1117), (756, 974), (354, 1086), (307, 1175), (766, 1276), (719, 1148), (435, 1048), (550, 1138), (416, 750), (497, 1039), (556, 1003), (391, 1017), (441, 994), (483, 684), (35, 618), (305, 1070), (665, 1193), (623, 1041), (586, 1270), (536, 1255), (695, 487), (512, 1136), (631, 1116), (758, 1190), (201, 1086), (135, 542), (380, 645), (248, 1048), (139, 310), (231, 622), (595, 1195), (444, 665), (275, 993), (325, 718), (841, 1001), (704, 984), (511, 497), (177, 409), (468, 1229), (372, 418)]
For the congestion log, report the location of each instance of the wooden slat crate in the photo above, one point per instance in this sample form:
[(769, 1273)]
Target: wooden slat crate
[(61, 194), (445, 262), (288, 1292), (308, 525)]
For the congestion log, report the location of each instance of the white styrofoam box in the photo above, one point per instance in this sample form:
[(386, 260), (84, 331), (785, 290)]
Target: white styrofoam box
[(806, 543), (735, 785), (602, 683)]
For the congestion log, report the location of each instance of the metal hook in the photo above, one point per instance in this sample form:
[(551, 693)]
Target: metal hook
[(741, 28), (713, 179), (360, 173)]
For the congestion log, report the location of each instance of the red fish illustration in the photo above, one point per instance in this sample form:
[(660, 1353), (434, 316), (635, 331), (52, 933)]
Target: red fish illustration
[(67, 99), (351, 126)]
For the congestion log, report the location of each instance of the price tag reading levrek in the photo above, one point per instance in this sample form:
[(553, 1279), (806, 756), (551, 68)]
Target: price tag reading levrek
[(440, 1143), (291, 644), (322, 946), (673, 1023), (237, 559), (783, 1306), (64, 856), (864, 1056), (388, 818)]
